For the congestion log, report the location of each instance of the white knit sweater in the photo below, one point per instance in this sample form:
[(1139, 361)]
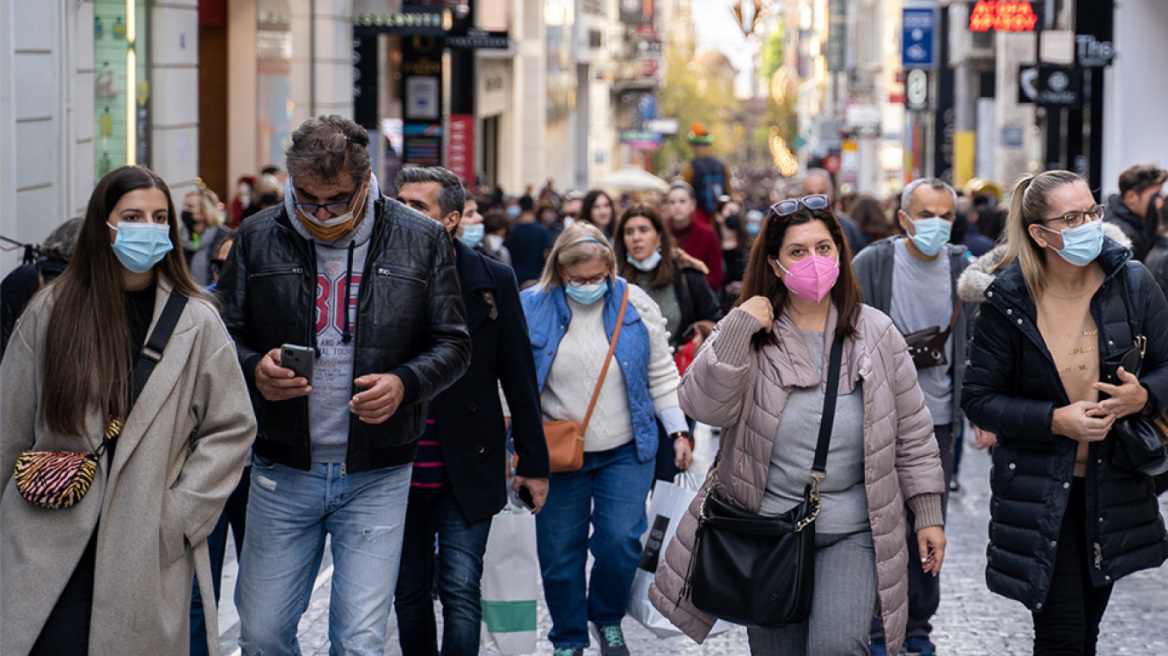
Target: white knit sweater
[(577, 366)]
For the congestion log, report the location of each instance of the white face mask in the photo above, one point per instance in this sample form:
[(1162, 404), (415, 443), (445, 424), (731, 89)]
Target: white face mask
[(646, 265), (494, 242)]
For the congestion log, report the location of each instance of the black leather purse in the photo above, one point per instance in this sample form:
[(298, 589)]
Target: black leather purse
[(927, 346), (1140, 441), (760, 571)]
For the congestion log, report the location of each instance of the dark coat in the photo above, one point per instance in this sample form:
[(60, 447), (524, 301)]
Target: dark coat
[(410, 322), (18, 289), (1012, 388), (696, 300), (470, 425), (1139, 231)]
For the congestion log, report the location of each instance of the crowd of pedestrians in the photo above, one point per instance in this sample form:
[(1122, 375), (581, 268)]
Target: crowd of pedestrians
[(383, 363)]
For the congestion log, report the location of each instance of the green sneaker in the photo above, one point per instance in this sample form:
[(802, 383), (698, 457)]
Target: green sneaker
[(612, 641), (568, 651)]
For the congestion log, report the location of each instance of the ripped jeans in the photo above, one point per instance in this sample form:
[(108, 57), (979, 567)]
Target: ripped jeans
[(289, 514)]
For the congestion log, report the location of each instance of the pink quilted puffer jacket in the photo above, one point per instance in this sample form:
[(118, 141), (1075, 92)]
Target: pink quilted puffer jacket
[(744, 391)]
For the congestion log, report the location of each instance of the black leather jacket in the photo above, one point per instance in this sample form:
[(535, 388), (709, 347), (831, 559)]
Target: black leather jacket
[(410, 322), (1012, 388)]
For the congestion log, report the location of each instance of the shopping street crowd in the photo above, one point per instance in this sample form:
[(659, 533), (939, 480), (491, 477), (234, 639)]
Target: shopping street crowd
[(389, 364)]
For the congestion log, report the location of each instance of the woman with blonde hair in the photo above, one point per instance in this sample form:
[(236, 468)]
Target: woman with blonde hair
[(202, 218), (1055, 362), (573, 313)]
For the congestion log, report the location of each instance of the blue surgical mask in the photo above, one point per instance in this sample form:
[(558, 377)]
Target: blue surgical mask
[(648, 264), (586, 294), (931, 234), (471, 235), (139, 246), (513, 211), (1081, 244), (753, 228)]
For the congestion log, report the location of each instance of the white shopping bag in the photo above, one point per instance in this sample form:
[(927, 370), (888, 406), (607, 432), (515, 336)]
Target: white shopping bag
[(666, 508), (510, 584)]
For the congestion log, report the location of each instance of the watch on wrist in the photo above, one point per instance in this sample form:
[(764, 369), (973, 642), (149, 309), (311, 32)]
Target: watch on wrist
[(685, 435)]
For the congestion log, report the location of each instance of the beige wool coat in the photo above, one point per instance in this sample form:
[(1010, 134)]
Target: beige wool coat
[(157, 500), (743, 390)]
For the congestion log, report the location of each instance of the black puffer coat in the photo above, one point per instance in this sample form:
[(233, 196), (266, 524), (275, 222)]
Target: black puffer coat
[(1012, 388)]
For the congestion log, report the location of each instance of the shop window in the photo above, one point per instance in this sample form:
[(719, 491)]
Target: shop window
[(121, 48)]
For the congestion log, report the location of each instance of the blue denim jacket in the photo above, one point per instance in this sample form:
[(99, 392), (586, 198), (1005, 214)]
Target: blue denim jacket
[(548, 316)]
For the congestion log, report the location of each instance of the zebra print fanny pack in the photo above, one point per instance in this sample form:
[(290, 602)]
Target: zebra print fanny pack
[(59, 479)]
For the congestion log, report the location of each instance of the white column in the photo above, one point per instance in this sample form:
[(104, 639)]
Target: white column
[(174, 93)]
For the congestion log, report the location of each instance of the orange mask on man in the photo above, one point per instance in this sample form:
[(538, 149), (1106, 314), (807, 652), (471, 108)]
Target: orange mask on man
[(334, 228)]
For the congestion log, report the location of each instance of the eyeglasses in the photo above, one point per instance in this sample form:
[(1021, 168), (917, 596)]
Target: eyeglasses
[(1076, 218), (583, 282), (334, 208), (790, 206)]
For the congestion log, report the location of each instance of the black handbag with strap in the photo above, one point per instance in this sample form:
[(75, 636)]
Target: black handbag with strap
[(1141, 441), (59, 479), (927, 347), (760, 571)]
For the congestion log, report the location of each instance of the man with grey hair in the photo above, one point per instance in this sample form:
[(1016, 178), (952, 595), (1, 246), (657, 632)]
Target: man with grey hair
[(913, 279), (818, 181), (347, 316), (459, 479)]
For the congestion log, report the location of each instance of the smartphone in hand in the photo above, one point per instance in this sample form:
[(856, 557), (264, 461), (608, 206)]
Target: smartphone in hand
[(300, 359), (523, 499)]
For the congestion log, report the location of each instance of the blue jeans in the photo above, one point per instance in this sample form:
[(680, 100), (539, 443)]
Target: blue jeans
[(234, 515), (460, 570), (607, 495), (288, 516)]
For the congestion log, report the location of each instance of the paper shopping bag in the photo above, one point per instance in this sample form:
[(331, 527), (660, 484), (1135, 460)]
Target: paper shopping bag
[(510, 584)]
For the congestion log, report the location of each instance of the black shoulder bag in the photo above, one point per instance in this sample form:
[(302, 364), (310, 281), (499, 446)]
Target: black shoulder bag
[(760, 571), (59, 479), (1141, 442)]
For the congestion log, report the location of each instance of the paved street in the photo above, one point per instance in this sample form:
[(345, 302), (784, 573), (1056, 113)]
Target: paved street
[(971, 622)]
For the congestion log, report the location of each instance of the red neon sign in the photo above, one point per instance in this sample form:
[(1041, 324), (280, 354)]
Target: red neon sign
[(1003, 16)]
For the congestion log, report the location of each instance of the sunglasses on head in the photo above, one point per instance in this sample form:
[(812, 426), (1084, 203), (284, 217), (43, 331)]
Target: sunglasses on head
[(791, 205)]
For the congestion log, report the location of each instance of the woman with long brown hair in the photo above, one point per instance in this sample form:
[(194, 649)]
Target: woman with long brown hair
[(112, 572), (761, 376), (647, 258)]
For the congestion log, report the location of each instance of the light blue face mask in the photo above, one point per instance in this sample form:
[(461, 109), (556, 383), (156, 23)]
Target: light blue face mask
[(472, 235), (1081, 244), (586, 294), (139, 246), (513, 211), (931, 234)]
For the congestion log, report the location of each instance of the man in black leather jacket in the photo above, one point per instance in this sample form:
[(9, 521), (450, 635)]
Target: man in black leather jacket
[(370, 287)]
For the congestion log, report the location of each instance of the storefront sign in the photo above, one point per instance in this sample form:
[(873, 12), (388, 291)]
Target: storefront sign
[(479, 40), (1004, 16), (641, 139), (460, 156), (837, 34), (412, 20), (1091, 52), (916, 89), (1058, 86)]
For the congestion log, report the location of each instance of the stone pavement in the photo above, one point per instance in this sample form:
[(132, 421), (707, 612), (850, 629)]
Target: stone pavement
[(971, 621)]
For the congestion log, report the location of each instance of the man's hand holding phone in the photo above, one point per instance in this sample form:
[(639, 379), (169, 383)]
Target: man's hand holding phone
[(532, 492), (276, 382)]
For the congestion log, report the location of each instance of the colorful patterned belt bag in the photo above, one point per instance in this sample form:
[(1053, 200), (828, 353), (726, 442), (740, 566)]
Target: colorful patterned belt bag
[(59, 479)]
